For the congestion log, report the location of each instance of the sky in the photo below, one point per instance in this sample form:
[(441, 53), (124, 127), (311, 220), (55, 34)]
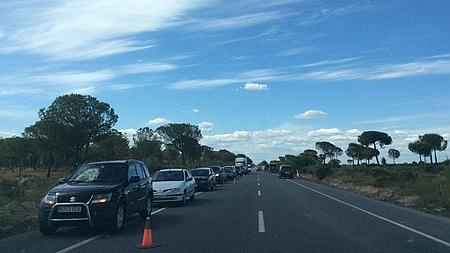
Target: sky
[(264, 78)]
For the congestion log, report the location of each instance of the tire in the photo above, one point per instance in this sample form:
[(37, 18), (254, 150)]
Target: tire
[(193, 196), (47, 230), (148, 209), (119, 218), (183, 202)]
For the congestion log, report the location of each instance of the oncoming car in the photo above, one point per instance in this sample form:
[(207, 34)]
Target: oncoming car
[(173, 185), (99, 193)]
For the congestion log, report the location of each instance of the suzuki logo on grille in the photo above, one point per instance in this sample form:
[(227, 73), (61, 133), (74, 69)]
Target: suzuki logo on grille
[(72, 199)]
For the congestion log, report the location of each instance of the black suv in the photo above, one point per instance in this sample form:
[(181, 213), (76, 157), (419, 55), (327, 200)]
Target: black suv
[(98, 193)]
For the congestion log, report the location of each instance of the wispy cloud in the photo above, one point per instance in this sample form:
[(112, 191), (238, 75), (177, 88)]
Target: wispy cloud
[(296, 51), (254, 37), (82, 81), (202, 83), (379, 72), (238, 21), (330, 62), (88, 29), (324, 14)]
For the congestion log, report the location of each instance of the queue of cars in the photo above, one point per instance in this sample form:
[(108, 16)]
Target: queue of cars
[(105, 193)]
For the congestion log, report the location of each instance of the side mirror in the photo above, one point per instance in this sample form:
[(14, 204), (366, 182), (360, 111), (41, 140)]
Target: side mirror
[(62, 180), (134, 179)]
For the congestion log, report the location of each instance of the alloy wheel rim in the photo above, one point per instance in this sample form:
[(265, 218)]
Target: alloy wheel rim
[(119, 217)]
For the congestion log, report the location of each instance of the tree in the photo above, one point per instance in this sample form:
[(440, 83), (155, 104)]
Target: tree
[(355, 151), (71, 124), (181, 137), (369, 153), (113, 146), (436, 142), (393, 154), (328, 149), (420, 148), (374, 137), (146, 145)]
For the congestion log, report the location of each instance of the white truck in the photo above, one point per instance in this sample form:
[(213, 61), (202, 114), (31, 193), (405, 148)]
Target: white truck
[(242, 161)]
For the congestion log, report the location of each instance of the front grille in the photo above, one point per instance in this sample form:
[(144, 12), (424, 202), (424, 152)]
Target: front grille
[(79, 197)]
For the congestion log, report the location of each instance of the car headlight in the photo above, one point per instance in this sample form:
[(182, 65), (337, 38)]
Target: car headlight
[(172, 190), (101, 198), (217, 175), (49, 199)]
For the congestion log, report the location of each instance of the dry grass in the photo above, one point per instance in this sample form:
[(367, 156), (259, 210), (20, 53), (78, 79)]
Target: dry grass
[(20, 193)]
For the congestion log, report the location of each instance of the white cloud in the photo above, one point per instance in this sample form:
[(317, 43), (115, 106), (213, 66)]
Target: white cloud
[(324, 132), (7, 134), (128, 132), (158, 121), (195, 110), (89, 29), (206, 126), (256, 86), (310, 114)]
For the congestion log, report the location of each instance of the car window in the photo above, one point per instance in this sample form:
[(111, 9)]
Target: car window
[(132, 171), (147, 173), (140, 170), (186, 176)]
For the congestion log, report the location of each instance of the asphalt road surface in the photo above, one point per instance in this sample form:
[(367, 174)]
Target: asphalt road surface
[(262, 213)]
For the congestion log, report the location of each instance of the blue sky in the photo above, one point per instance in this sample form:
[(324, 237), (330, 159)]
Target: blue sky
[(266, 78)]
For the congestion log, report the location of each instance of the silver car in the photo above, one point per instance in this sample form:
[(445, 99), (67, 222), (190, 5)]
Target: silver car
[(173, 185)]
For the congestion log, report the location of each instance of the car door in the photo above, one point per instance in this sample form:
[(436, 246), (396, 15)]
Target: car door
[(143, 186), (132, 190), (188, 182), (191, 181)]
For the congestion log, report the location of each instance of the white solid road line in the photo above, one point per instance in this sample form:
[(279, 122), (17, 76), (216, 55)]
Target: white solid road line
[(259, 193), (77, 245), (261, 228), (376, 215)]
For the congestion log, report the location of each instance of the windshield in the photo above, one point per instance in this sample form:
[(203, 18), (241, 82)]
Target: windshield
[(200, 172), (168, 176), (216, 169), (104, 172)]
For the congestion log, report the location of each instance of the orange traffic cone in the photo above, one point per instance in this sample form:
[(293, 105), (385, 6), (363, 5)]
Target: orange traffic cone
[(147, 237)]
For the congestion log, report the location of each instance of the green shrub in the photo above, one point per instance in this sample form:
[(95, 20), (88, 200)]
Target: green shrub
[(323, 172)]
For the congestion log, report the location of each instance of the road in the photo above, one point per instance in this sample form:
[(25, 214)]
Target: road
[(262, 213)]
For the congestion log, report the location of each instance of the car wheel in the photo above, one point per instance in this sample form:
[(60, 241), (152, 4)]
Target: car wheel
[(118, 220), (47, 230), (183, 202), (148, 209), (193, 195)]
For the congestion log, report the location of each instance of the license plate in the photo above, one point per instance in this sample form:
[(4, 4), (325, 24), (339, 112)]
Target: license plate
[(69, 209)]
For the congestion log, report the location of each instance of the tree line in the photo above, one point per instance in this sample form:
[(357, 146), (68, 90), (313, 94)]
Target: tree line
[(79, 128), (366, 149)]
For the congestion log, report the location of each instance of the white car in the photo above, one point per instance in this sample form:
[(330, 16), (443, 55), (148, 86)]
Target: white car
[(173, 185)]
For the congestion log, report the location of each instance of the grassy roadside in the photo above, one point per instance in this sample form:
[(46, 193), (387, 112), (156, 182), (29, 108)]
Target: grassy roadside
[(20, 193), (426, 189)]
